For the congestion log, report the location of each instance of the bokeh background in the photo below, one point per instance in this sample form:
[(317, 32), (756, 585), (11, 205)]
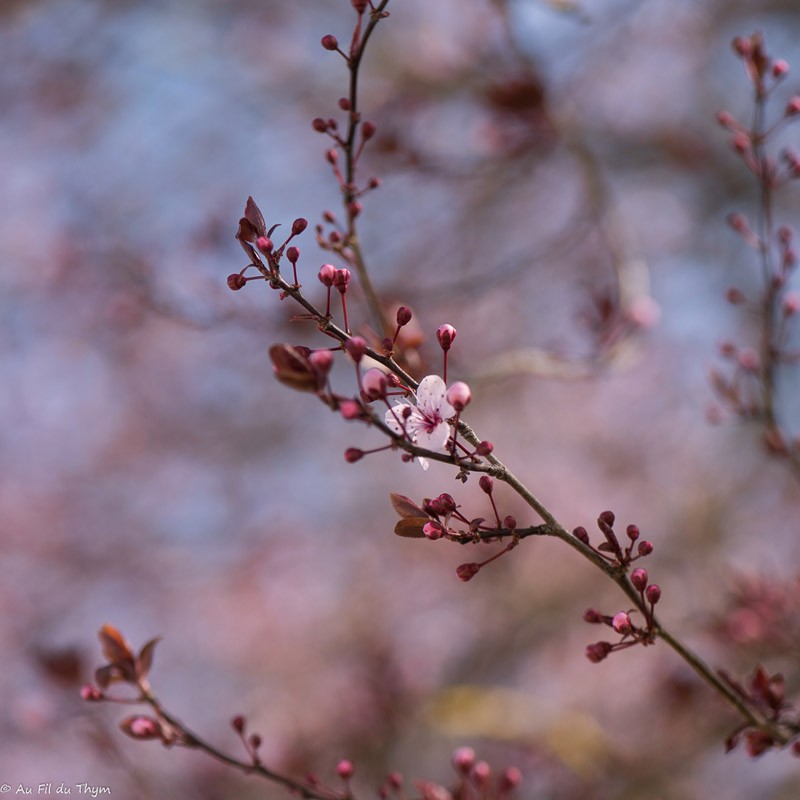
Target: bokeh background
[(555, 186)]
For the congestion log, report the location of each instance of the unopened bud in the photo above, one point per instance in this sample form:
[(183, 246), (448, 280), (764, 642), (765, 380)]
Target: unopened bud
[(374, 384), (793, 107), (481, 774), (330, 42), (780, 68), (466, 572), (510, 522), (639, 579), (368, 130), (726, 119), (141, 727), (581, 535), (264, 244), (237, 723), (510, 779), (91, 694), (592, 616), (484, 448), (353, 454), (354, 209), (299, 225), (403, 316), (446, 335), (645, 548), (345, 769), (319, 125), (735, 296), (653, 593), (459, 395), (350, 409), (433, 530), (326, 274), (356, 347), (791, 303), (622, 623), (236, 282), (341, 279), (486, 483), (607, 517), (598, 651), (463, 759)]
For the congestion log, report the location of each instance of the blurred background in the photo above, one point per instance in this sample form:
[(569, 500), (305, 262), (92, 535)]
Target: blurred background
[(555, 186)]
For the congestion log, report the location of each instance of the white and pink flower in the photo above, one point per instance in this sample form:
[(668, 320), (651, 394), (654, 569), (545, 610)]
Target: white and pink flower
[(425, 423)]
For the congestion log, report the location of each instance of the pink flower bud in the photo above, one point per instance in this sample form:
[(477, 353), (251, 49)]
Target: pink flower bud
[(510, 522), (329, 216), (299, 225), (360, 5), (632, 532), (793, 107), (592, 616), (510, 779), (433, 530), (446, 335), (607, 517), (791, 303), (236, 282), (740, 143), (622, 623), (403, 316), (332, 156), (780, 68), (319, 125), (447, 503), (322, 360), (395, 780), (237, 723), (345, 769), (644, 312), (484, 448), (255, 741), (353, 454), (486, 483), (368, 130), (735, 296), (91, 694), (466, 572), (653, 593), (374, 384), (141, 727), (639, 579), (742, 46), (463, 759), (354, 209), (459, 395), (341, 279), (264, 244), (726, 119), (645, 548), (581, 535), (598, 651), (330, 42), (326, 274), (344, 104), (350, 409), (374, 183), (481, 774), (749, 359), (293, 253), (356, 347)]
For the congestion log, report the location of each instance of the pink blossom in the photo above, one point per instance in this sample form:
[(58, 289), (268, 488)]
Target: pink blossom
[(425, 423)]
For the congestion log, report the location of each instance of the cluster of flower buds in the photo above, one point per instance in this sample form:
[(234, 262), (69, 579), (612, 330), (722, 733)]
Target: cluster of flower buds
[(610, 549), (474, 778), (622, 623), (767, 694)]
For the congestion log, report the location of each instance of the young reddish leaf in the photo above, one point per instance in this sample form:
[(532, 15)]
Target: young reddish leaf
[(411, 527), (252, 214), (406, 507), (115, 648), (105, 676), (144, 660), (293, 369)]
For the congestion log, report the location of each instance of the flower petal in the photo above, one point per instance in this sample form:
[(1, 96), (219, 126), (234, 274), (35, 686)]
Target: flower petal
[(435, 439), (431, 394)]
